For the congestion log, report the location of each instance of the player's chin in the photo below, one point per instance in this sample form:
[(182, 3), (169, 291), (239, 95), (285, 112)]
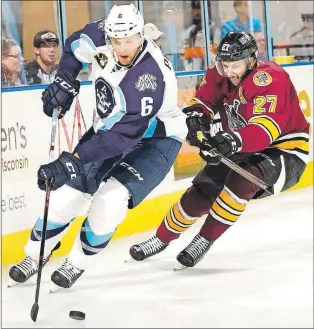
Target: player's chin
[(235, 81)]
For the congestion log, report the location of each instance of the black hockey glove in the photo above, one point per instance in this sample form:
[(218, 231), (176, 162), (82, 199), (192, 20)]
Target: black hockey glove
[(225, 143), (196, 121), (65, 168), (60, 93)]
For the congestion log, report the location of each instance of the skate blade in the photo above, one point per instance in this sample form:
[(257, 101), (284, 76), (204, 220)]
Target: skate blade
[(180, 268), (132, 261), (54, 289), (30, 281), (13, 283)]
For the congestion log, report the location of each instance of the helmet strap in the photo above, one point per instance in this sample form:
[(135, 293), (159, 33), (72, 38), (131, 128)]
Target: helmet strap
[(250, 66)]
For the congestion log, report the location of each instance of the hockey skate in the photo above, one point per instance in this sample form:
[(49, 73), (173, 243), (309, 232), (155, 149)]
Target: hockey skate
[(194, 252), (147, 248), (65, 276), (24, 270)]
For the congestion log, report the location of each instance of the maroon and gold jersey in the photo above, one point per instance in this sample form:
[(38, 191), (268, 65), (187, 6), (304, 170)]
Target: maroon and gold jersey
[(263, 110)]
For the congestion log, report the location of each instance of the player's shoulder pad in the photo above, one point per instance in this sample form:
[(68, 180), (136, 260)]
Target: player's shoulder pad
[(144, 77), (268, 73), (149, 78), (267, 78), (95, 31), (99, 24), (211, 75)]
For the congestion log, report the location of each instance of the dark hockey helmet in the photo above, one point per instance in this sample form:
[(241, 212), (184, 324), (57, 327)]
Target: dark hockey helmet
[(236, 46), (43, 37)]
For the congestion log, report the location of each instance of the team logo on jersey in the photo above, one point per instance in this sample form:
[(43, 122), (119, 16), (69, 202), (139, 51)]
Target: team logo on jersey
[(146, 82), (235, 120), (241, 97), (101, 59), (262, 78), (105, 101)]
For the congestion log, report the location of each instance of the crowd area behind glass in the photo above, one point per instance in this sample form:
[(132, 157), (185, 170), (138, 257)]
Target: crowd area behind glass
[(188, 32)]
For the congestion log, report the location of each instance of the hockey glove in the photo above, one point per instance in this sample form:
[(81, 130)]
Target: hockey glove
[(225, 143), (65, 168), (60, 93), (196, 121)]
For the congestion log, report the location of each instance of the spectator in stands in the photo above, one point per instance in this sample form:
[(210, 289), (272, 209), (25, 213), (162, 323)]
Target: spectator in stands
[(11, 63), (44, 68), (261, 44), (242, 22), (193, 41), (151, 31)]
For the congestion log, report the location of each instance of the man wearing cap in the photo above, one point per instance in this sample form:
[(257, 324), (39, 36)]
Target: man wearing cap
[(43, 69), (151, 31)]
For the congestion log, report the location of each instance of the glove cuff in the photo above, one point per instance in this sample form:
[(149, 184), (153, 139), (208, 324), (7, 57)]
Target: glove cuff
[(234, 140), (67, 82), (78, 166)]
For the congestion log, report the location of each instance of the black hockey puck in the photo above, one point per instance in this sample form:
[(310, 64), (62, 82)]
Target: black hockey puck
[(77, 315)]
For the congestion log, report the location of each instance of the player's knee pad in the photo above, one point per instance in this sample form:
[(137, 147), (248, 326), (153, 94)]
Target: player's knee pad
[(109, 207), (195, 203), (67, 203), (272, 164), (240, 185)]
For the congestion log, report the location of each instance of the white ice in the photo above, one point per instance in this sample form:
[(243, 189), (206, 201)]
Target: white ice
[(259, 274)]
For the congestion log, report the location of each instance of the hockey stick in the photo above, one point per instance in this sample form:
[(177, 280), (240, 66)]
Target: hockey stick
[(35, 307), (258, 182), (81, 112)]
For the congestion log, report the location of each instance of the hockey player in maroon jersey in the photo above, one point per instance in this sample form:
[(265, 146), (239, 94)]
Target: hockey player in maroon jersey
[(263, 130)]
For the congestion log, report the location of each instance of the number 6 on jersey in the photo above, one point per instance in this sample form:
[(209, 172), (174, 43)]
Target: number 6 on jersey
[(146, 106)]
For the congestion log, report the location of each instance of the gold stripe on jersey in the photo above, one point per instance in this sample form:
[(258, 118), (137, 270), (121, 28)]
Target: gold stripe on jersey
[(297, 141), (269, 126), (195, 101), (176, 221), (227, 208), (300, 145)]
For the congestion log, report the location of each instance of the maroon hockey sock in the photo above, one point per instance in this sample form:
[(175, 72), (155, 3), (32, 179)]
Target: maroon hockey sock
[(192, 205), (230, 204)]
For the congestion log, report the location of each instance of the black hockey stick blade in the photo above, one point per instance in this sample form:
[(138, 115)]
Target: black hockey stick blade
[(34, 311)]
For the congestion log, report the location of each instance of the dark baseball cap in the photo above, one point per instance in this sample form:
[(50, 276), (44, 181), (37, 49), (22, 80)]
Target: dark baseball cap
[(44, 37)]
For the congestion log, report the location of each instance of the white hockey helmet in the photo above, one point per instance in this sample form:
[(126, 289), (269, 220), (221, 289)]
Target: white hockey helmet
[(124, 21)]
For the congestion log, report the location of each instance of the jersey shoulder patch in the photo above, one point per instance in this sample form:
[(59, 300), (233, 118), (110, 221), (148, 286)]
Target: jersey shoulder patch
[(262, 78), (146, 81)]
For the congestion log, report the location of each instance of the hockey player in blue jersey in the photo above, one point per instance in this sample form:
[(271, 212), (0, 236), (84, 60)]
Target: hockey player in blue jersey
[(136, 135)]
